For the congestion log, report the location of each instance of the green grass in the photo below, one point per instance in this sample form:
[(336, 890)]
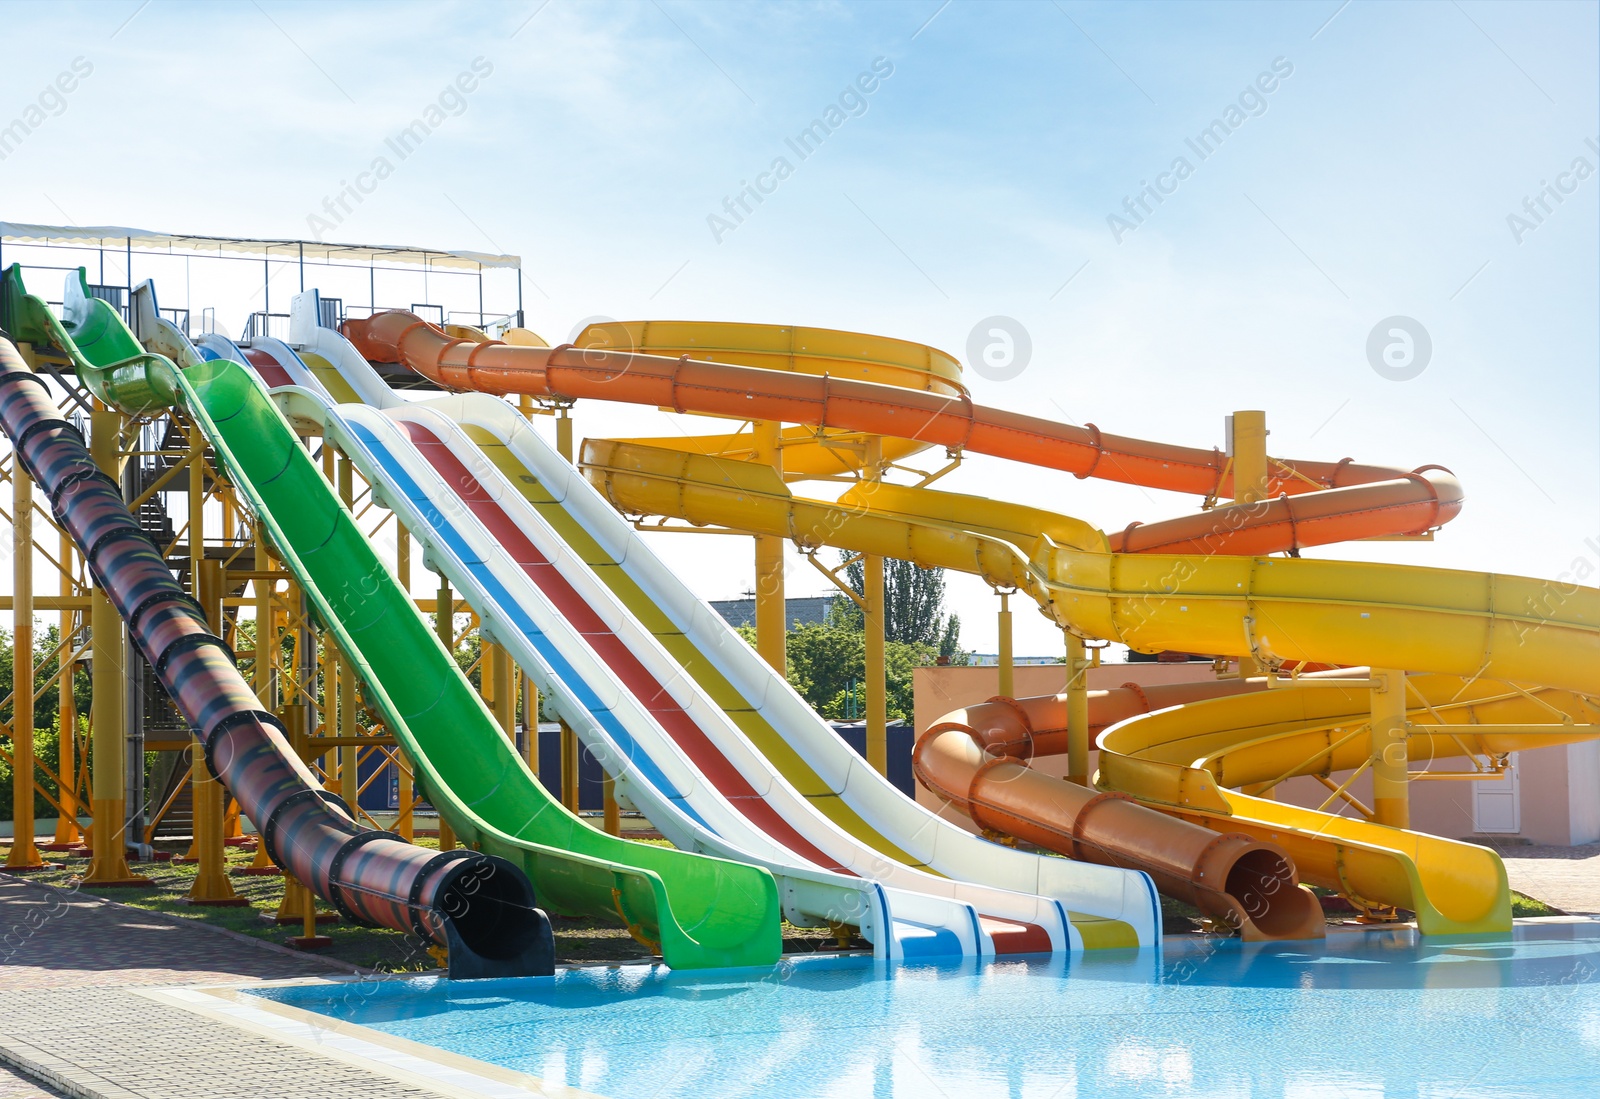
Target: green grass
[(1523, 906)]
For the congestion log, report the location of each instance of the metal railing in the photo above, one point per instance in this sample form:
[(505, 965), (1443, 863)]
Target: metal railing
[(257, 325)]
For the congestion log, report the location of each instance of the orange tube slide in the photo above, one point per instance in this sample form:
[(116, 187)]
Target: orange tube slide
[(1350, 501), (976, 759)]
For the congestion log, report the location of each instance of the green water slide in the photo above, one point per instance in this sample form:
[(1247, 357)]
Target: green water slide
[(700, 911)]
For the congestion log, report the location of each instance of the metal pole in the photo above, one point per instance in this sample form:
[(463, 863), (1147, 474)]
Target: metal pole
[(68, 834), (872, 618), (108, 863), (24, 855), (771, 627), (349, 699), (199, 791), (1077, 712), (1249, 456), (1247, 449), (405, 823), (302, 267), (570, 750), (1391, 789), (211, 885), (266, 661), (569, 767), (133, 706), (530, 722), (504, 676), (1008, 681), (444, 617)]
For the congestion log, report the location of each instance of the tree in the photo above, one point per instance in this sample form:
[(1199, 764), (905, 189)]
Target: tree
[(46, 741), (827, 661), (913, 603)]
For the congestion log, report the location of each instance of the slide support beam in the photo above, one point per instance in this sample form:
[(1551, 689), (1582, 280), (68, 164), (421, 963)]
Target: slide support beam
[(24, 855), (1077, 711), (108, 861), (1391, 788)]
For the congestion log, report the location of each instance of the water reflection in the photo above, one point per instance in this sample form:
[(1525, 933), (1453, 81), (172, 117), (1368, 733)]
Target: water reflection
[(1378, 1014)]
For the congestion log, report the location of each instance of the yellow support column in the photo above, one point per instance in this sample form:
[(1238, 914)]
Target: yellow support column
[(197, 550), (266, 661), (299, 904), (108, 861), (569, 739), (24, 855), (1077, 712), (612, 820), (1247, 451), (499, 677), (872, 620), (1007, 661), (349, 696), (1248, 439), (771, 627), (530, 722), (1391, 788), (569, 767), (68, 834), (564, 433), (444, 617), (349, 754), (211, 885), (405, 820)]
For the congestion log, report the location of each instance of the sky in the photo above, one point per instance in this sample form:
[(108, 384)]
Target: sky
[(1054, 165)]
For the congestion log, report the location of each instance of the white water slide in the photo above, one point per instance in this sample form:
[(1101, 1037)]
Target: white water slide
[(703, 737)]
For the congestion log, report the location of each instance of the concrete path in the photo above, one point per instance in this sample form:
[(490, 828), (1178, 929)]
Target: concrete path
[(1566, 877), (69, 1015)]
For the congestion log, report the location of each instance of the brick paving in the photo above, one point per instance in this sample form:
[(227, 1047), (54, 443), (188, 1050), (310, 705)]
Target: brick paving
[(68, 1010), (1567, 878), (14, 1085), (54, 939)]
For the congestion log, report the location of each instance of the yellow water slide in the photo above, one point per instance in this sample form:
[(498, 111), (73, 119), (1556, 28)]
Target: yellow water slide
[(1513, 661), (1505, 662)]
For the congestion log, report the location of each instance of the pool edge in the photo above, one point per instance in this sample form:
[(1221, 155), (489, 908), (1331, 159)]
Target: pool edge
[(421, 1066)]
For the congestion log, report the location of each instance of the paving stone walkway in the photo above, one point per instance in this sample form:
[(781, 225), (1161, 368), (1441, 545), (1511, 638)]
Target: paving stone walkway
[(13, 1085), (68, 1010), (1566, 877)]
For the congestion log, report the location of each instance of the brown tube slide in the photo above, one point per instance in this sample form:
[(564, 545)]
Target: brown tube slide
[(976, 759), (1366, 501)]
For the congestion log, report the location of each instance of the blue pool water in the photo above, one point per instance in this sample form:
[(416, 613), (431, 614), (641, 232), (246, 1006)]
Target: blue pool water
[(1375, 1016)]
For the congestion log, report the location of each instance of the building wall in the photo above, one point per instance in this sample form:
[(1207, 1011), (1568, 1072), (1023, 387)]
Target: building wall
[(1558, 787)]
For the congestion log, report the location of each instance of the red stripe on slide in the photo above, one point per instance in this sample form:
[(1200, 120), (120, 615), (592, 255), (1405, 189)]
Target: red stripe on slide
[(613, 651), (271, 373)]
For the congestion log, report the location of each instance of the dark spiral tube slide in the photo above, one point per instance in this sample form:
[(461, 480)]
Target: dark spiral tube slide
[(480, 906)]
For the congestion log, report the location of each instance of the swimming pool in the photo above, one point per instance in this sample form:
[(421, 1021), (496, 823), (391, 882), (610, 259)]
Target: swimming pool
[(1380, 1014)]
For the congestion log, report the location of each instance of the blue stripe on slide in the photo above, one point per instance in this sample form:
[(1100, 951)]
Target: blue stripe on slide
[(508, 607), (925, 941)]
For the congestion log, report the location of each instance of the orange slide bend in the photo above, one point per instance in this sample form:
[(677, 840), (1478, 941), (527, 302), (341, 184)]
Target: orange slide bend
[(1317, 503), (976, 759)]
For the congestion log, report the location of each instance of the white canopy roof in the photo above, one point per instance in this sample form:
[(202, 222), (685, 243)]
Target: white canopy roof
[(118, 237)]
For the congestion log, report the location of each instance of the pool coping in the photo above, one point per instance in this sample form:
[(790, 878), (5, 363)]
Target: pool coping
[(413, 1064)]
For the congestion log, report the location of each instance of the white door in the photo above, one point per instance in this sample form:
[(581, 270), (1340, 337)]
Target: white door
[(1497, 803)]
